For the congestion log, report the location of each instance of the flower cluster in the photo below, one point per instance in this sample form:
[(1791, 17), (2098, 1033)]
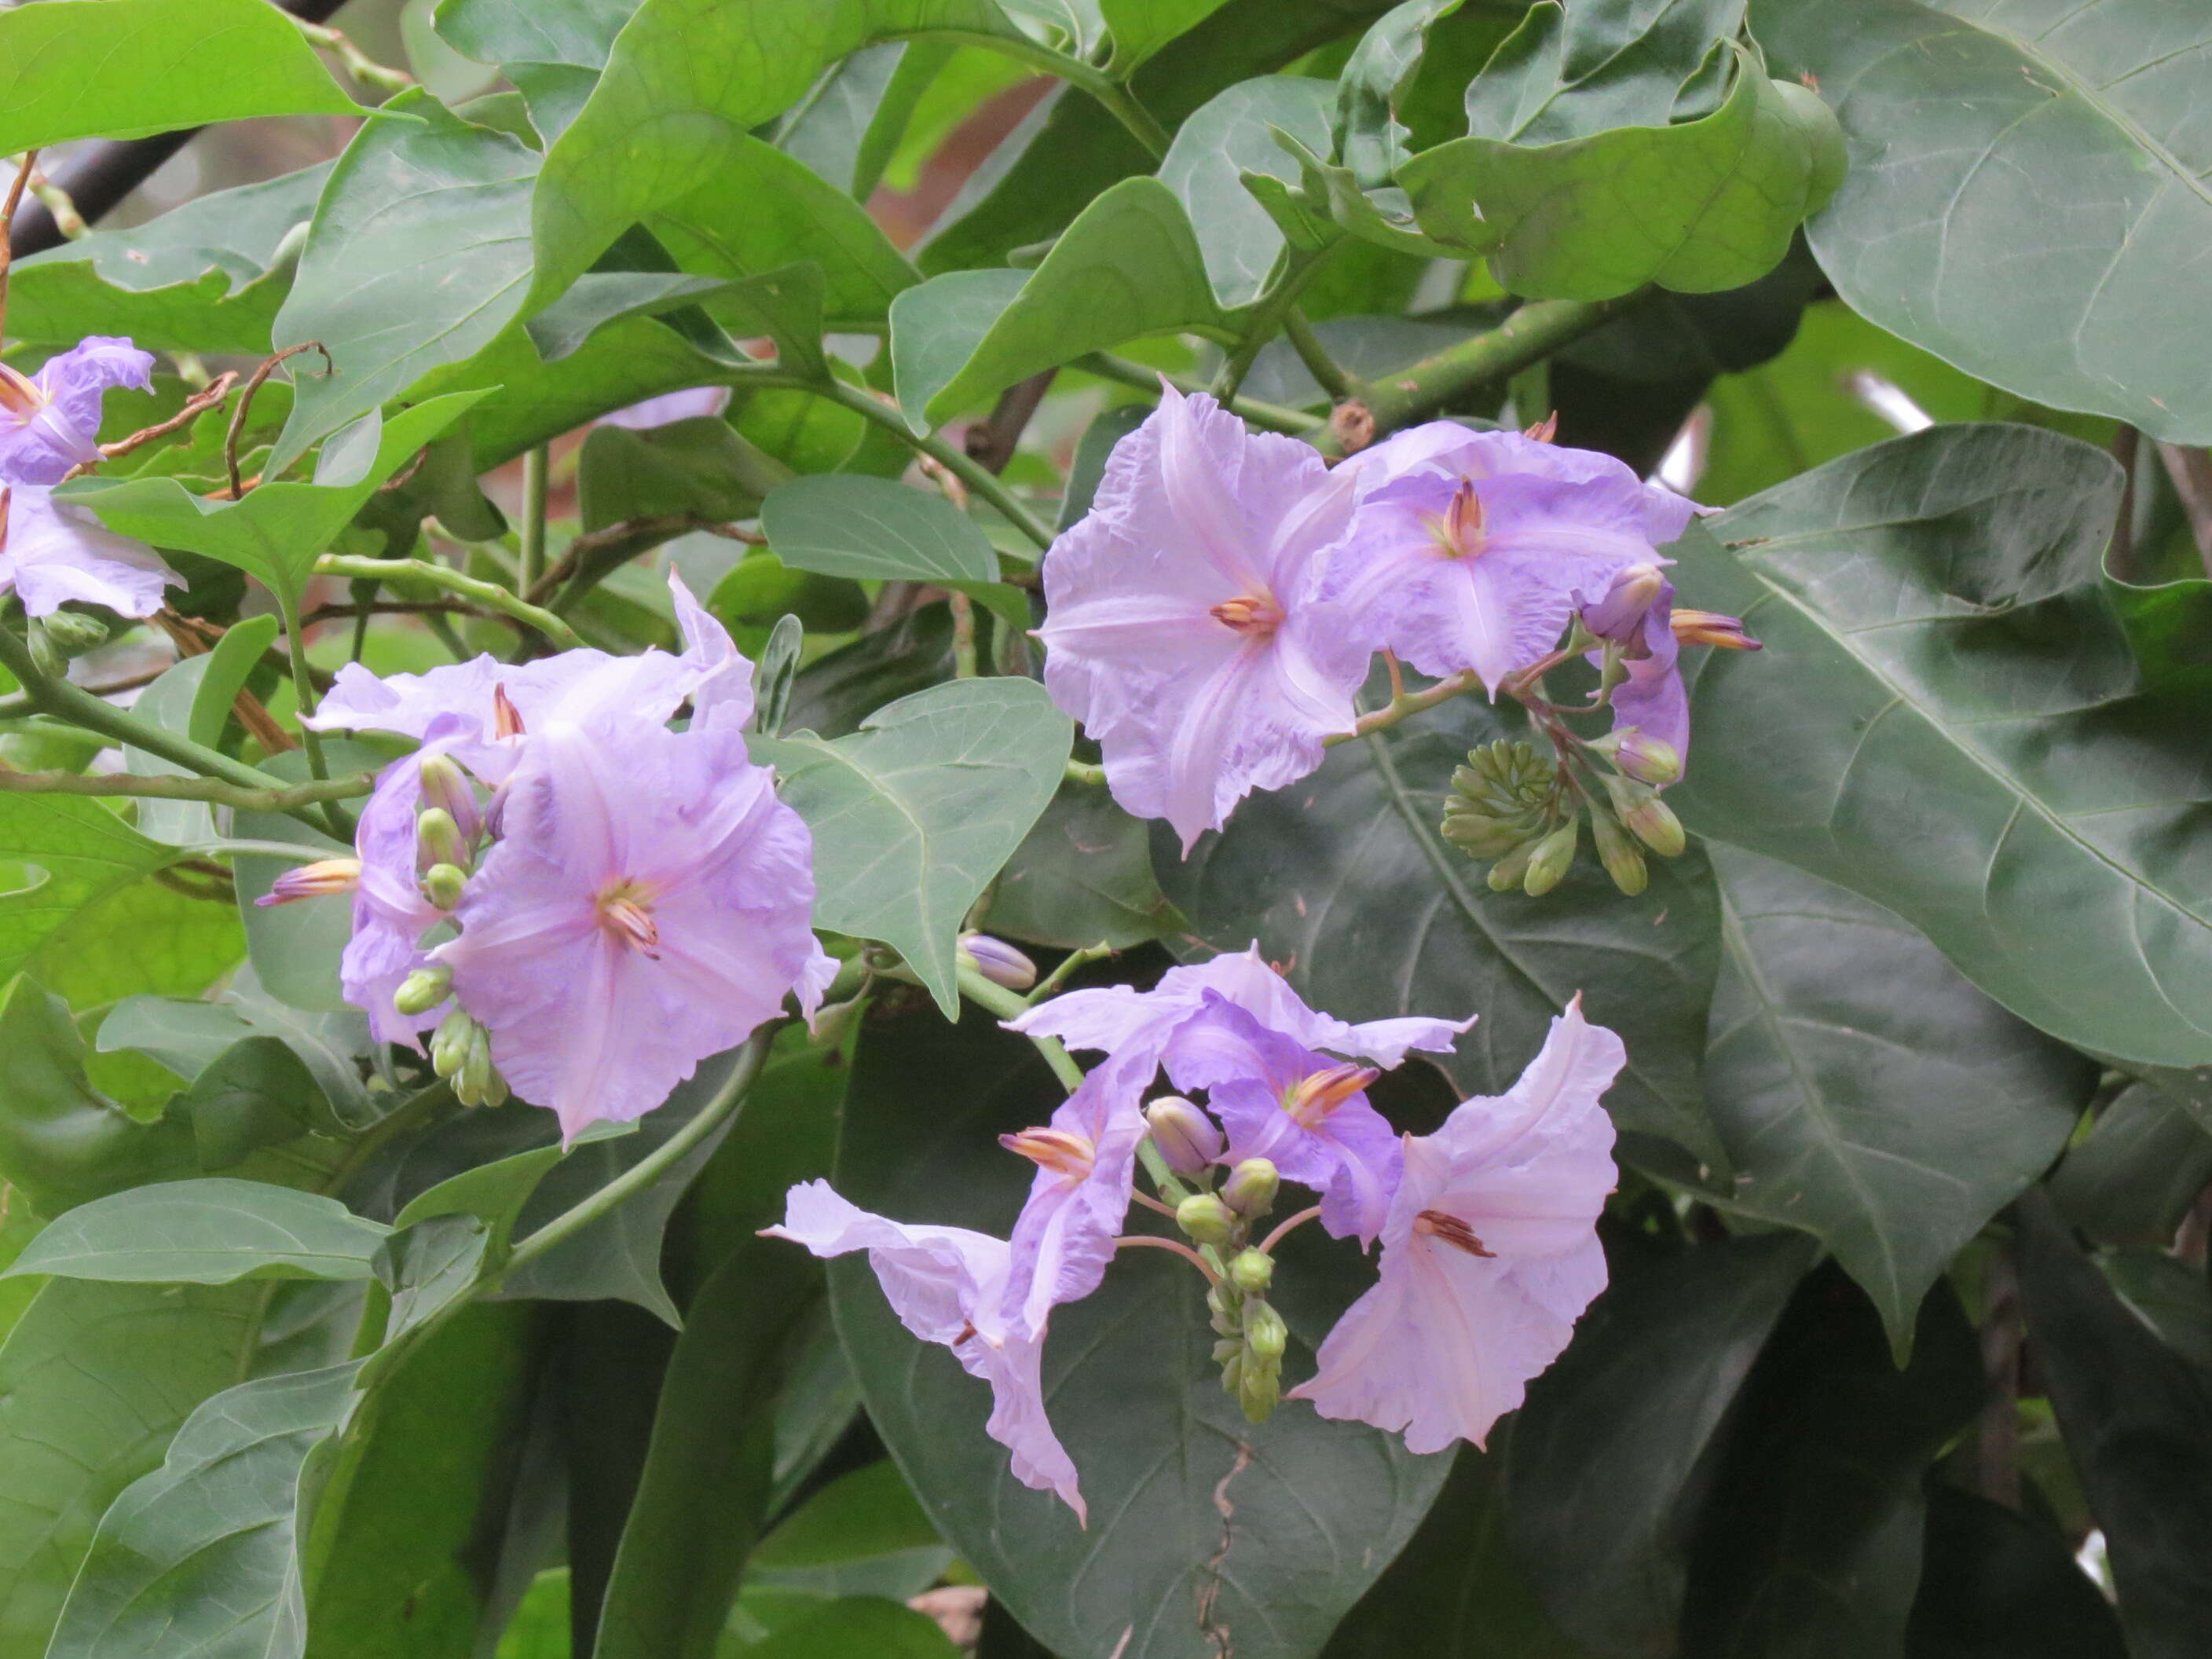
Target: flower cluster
[(582, 902), (1489, 1252), (1213, 617)]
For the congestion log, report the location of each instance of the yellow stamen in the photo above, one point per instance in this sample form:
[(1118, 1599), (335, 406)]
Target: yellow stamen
[(506, 719), (625, 911), (1249, 613), (1435, 1224), (1459, 528), (1313, 1098), (19, 395), (1062, 1151), (1710, 628)]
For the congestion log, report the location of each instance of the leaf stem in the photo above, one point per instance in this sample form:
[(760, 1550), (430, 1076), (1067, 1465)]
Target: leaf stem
[(1270, 313), (1270, 417), (964, 636), (1267, 1244), (214, 791), (1404, 704), (1083, 772), (978, 480), (490, 595), (536, 484), (1314, 355), (1117, 100), (1072, 963)]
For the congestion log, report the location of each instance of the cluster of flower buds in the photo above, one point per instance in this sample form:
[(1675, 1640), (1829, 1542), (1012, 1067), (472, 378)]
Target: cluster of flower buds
[(449, 831), (460, 1051), (1253, 1335), (1524, 810)]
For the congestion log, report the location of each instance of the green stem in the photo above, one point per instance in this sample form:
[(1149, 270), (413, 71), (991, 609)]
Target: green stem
[(1117, 100), (1530, 335), (1083, 772), (964, 636), (535, 485), (1404, 704), (979, 481), (1270, 417), (1270, 313), (303, 681), (214, 791), (489, 595), (657, 1162), (1073, 963), (1314, 355), (292, 852)]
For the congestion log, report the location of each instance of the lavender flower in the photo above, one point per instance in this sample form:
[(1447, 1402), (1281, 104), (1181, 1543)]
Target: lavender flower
[(50, 420), (1489, 1256), (948, 1285), (647, 905), (1637, 614), (690, 405), (1470, 550), (389, 913), (51, 552), (1086, 1160), (1185, 628)]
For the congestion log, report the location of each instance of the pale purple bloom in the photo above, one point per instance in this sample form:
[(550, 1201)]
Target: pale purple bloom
[(948, 1285), (1119, 1019), (1185, 627), (50, 420), (1302, 1111), (51, 552), (999, 961), (575, 687), (1086, 1162), (686, 405), (1471, 550), (647, 905), (1489, 1256), (1638, 614), (389, 914)]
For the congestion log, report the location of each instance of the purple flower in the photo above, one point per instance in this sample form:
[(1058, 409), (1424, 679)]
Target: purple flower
[(1185, 628), (1086, 1162), (576, 687), (686, 405), (1306, 1113), (1489, 1256), (647, 905), (948, 1285), (389, 913), (51, 552), (1119, 1019), (50, 420), (1637, 614), (1470, 550)]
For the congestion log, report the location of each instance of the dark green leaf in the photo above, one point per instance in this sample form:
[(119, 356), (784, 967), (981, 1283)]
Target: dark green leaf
[(1834, 1027), (697, 465), (834, 694), (914, 814), (860, 1624), (1141, 27), (2137, 1419), (205, 1232), (875, 529), (1207, 1534), (2169, 1294), (1947, 720), (1966, 123), (1602, 1459), (1998, 1584), (2135, 1177), (257, 1094), (1082, 877), (862, 1534), (1345, 880), (1572, 72), (1238, 238), (599, 298)]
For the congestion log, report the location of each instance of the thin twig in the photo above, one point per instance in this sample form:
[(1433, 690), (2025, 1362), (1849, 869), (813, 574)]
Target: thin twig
[(1152, 1203), (8, 224), (1152, 1241), (194, 406), (1267, 1244), (990, 443), (214, 791), (246, 403), (489, 595), (580, 552)]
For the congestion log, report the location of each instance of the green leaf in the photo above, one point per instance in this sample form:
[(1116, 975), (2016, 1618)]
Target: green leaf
[(187, 1037), (859, 1624), (1966, 123), (2137, 1420), (193, 699), (1082, 877), (200, 1556), (916, 812), (873, 528), (204, 276), (1129, 266), (1629, 1410), (1834, 1025), (1229, 138), (600, 297), (418, 256), (294, 948), (1345, 880), (1999, 1583), (1141, 27), (1706, 205), (699, 465), (259, 1094), (276, 533), (1810, 1534), (1571, 72), (1960, 733), (1207, 1534), (155, 1351), (2136, 1175), (127, 69), (1369, 138), (833, 695), (864, 1534), (206, 1232)]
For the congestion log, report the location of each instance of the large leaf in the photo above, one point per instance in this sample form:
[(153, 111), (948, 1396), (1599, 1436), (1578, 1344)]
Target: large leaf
[(874, 528), (206, 1232), (1141, 27), (418, 256), (1948, 719), (1129, 266), (2025, 181), (916, 812), (201, 1556), (155, 1351), (1602, 1501), (1998, 1584), (1082, 877), (1207, 1534), (1346, 883), (1834, 1027), (1231, 136), (73, 862), (1605, 63), (124, 69), (2136, 1175), (2137, 1419), (201, 277)]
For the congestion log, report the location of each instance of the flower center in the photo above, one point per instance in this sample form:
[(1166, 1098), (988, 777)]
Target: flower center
[(19, 397), (1249, 613), (1062, 1151), (625, 911), (1459, 528), (1436, 1224), (1311, 1099)]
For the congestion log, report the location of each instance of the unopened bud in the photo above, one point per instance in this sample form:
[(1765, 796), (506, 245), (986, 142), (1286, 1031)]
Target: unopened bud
[(449, 1043), (1647, 759), (478, 1082), (1551, 860), (1205, 1218), (1619, 615), (1617, 853), (424, 989), (438, 840), (445, 787), (1650, 820), (1710, 627), (442, 885), (999, 961), (1265, 1333), (1508, 873), (1251, 1272), (46, 657), (1186, 1137), (73, 632), (833, 1022), (317, 880), (1250, 1188)]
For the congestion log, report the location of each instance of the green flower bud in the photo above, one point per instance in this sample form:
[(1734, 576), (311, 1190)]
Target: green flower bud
[(1265, 1335), (1251, 1272), (442, 885), (478, 1082), (1647, 760), (1205, 1218), (1509, 872), (1549, 862), (1250, 1188), (72, 633), (1650, 820), (1499, 799), (424, 989), (449, 1043), (1617, 853), (438, 840), (445, 787), (46, 657)]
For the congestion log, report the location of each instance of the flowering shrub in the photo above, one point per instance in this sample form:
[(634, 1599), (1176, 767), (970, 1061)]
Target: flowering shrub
[(1139, 828)]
